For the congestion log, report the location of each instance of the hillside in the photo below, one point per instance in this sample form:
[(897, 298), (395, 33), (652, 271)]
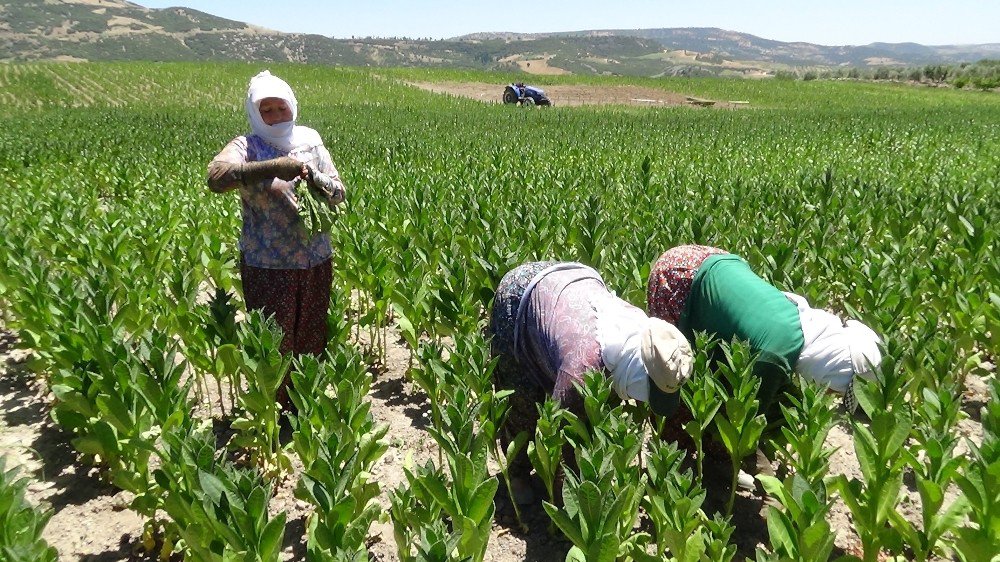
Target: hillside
[(121, 30), (742, 46)]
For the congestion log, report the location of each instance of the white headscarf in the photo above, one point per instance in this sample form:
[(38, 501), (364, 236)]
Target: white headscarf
[(620, 328), (865, 354), (286, 137), (833, 352)]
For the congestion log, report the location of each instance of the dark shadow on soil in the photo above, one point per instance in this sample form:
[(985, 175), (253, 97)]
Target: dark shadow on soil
[(75, 487), (127, 550), (23, 406), (74, 483), (393, 392), (51, 447), (7, 341), (53, 450), (223, 430), (910, 480), (295, 532), (748, 510), (973, 408), (539, 545)]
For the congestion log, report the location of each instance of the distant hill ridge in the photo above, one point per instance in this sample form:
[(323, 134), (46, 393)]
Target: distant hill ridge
[(121, 30)]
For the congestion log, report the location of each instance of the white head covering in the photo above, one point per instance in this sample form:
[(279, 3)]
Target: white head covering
[(619, 334), (834, 353), (865, 354), (638, 350), (286, 137)]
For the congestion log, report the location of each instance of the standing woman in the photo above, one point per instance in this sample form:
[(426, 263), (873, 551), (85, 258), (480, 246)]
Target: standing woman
[(285, 272)]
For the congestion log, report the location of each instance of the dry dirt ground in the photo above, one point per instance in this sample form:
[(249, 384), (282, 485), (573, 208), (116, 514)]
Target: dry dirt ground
[(576, 95), (91, 522)]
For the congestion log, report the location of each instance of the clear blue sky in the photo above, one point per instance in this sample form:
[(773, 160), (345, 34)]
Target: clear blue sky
[(842, 22)]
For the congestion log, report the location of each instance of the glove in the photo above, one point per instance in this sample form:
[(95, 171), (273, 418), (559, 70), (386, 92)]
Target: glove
[(332, 188), (284, 168)]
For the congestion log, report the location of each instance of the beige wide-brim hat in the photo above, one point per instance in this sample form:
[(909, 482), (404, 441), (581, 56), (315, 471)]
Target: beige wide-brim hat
[(667, 356)]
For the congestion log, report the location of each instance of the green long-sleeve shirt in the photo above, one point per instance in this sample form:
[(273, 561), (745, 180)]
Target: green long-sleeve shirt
[(729, 300)]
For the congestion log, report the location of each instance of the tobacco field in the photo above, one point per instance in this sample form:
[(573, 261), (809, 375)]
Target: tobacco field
[(119, 287)]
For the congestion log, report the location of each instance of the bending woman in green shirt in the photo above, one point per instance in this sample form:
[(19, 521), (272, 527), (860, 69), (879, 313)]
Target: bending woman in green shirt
[(700, 288)]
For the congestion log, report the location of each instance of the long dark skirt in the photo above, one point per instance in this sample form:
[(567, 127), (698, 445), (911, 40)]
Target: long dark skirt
[(299, 300)]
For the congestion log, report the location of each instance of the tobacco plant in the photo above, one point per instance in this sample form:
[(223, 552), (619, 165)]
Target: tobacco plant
[(879, 447), (218, 511), (21, 524), (673, 503), (414, 512), (496, 413), (157, 375), (935, 466), (979, 538), (346, 503), (466, 375), (740, 425), (263, 369), (797, 525), (546, 450), (437, 544), (330, 395), (601, 498), (702, 397), (470, 365), (598, 513), (339, 443), (468, 497), (433, 377), (808, 417), (672, 500), (465, 413), (338, 323), (118, 415), (798, 530), (209, 334)]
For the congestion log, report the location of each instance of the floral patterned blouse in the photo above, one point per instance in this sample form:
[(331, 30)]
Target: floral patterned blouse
[(273, 236)]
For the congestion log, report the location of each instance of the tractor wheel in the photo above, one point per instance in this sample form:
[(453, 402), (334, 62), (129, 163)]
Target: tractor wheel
[(509, 95), (545, 102), (528, 102)]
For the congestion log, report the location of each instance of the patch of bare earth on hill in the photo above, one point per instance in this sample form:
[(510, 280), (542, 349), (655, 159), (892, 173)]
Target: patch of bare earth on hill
[(577, 95), (91, 522)]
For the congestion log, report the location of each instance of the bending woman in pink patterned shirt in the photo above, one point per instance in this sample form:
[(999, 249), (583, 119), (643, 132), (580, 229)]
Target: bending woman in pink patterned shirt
[(285, 272), (551, 322)]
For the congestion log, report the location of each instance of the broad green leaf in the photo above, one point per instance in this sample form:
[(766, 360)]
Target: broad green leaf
[(212, 486), (565, 524), (270, 541)]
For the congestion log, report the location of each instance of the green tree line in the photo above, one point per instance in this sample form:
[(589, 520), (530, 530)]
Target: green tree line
[(981, 75)]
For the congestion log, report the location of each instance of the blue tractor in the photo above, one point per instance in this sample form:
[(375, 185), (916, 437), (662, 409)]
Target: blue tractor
[(525, 95)]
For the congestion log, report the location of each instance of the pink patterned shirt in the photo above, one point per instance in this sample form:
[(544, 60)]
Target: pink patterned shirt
[(561, 329)]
